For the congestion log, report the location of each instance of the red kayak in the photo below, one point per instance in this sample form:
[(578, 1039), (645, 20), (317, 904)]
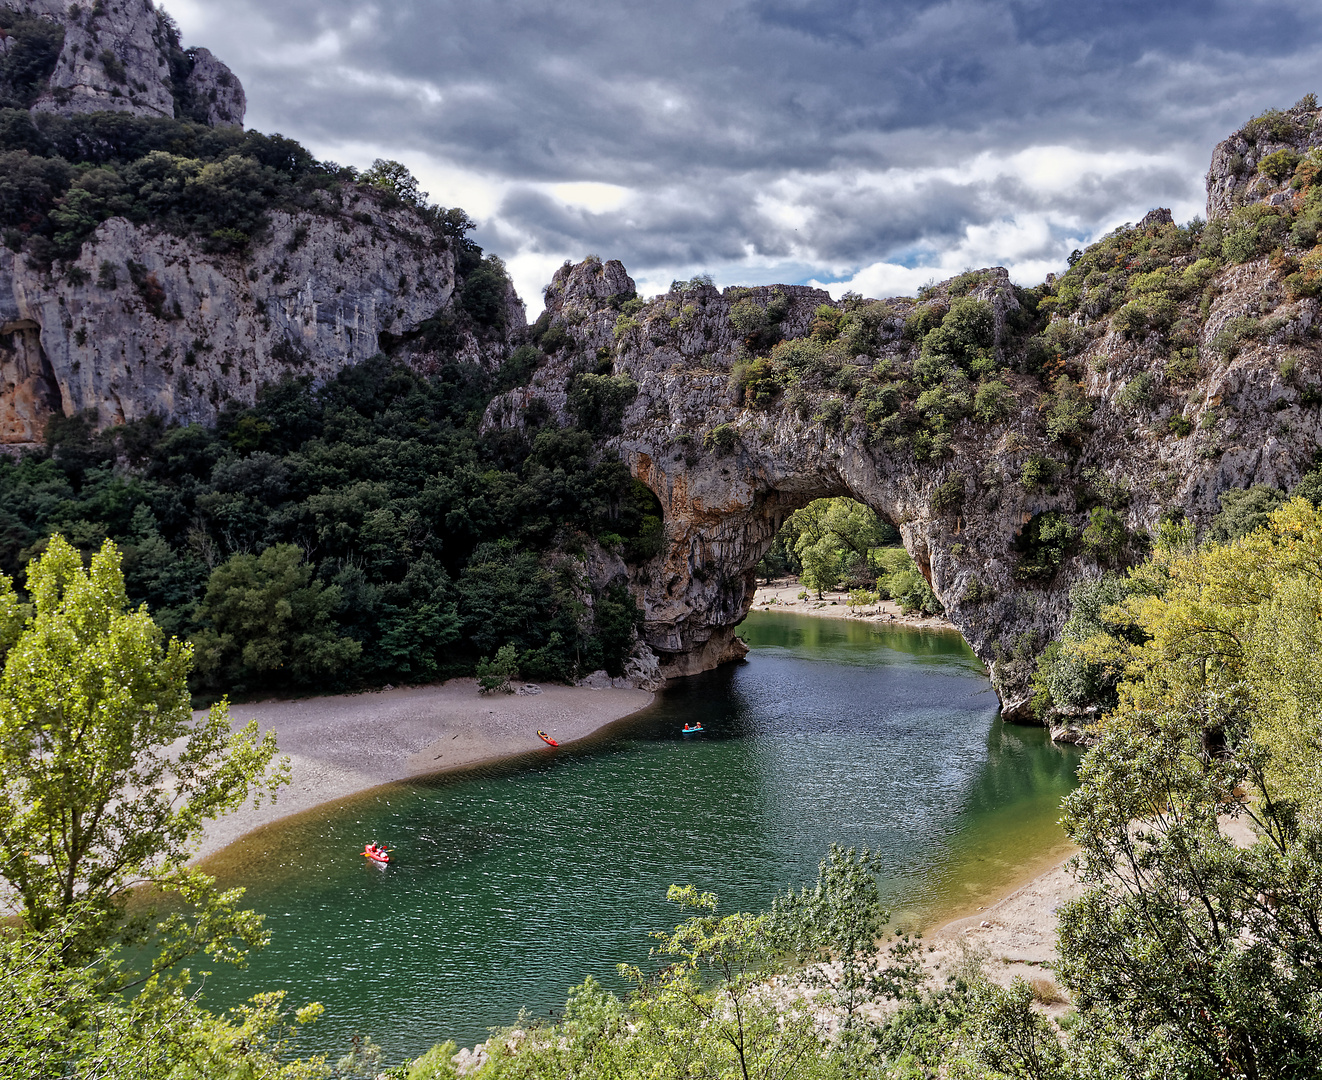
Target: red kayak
[(376, 854), (547, 739)]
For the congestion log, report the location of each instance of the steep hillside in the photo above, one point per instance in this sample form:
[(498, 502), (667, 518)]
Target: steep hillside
[(160, 261), (1021, 439)]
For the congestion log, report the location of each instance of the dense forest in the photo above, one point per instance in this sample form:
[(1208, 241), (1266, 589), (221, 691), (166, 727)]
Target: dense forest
[(360, 532)]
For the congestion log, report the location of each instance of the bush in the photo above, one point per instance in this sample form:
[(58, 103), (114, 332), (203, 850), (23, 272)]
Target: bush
[(496, 673), (948, 498), (964, 340), (1043, 544), (1066, 410), (1136, 394), (1243, 510), (1278, 165), (599, 401), (721, 438), (1227, 341), (760, 381), (1105, 534), (1039, 471), (993, 402)]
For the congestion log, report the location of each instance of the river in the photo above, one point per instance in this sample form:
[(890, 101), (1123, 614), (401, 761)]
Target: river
[(514, 882)]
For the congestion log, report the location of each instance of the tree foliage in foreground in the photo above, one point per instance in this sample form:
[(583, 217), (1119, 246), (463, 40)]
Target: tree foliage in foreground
[(106, 781)]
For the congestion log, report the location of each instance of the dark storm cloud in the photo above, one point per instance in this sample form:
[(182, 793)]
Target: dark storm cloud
[(701, 108)]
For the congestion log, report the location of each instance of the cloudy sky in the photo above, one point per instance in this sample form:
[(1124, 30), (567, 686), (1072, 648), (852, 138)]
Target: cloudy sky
[(853, 144)]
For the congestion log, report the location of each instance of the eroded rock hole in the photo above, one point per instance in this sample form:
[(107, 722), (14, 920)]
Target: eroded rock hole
[(841, 550)]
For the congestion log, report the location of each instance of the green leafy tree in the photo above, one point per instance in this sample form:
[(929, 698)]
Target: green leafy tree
[(495, 673), (395, 179), (839, 925), (268, 615), (91, 800)]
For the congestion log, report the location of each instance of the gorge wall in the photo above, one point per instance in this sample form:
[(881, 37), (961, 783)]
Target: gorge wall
[(145, 321), (1167, 366)]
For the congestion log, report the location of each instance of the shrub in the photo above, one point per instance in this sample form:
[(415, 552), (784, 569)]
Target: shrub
[(831, 414), (943, 406), (496, 673), (625, 324), (948, 498), (1243, 511), (977, 592), (599, 401), (1039, 471), (1043, 544), (1136, 393), (1066, 410), (1272, 125), (827, 321), (1105, 534), (994, 401), (923, 319), (1278, 165), (1227, 341), (761, 381), (721, 438), (1180, 425), (963, 340)]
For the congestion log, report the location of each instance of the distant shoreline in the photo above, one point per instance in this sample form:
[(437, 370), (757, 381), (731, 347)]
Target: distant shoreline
[(783, 595), (348, 743)]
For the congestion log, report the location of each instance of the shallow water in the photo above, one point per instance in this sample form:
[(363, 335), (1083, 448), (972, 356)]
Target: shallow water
[(514, 882)]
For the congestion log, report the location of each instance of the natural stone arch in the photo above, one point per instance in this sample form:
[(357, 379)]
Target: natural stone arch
[(727, 474)]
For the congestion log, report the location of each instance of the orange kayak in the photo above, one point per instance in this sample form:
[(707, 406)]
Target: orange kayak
[(547, 739)]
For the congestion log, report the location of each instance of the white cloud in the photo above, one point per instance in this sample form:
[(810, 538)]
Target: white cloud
[(589, 195)]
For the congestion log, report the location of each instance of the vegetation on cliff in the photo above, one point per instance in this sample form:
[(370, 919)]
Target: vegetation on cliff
[(64, 175), (356, 533)]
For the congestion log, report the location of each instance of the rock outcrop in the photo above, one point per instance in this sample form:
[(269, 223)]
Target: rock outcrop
[(125, 56)]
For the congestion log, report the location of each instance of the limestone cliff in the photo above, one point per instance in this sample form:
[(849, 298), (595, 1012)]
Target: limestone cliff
[(125, 56), (144, 322), (1160, 372), (158, 316)]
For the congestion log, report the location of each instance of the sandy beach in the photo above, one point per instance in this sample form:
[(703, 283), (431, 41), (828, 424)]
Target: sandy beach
[(783, 595), (341, 745)]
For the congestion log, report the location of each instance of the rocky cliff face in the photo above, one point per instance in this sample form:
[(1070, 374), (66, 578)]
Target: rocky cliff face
[(125, 56), (1175, 376), (144, 322)]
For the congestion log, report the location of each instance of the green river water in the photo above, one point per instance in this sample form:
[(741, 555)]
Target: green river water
[(514, 882)]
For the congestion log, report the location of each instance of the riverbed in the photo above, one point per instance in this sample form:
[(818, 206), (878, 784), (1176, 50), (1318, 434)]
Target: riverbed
[(514, 881)]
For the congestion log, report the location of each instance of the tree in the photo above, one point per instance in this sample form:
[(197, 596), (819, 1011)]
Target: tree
[(839, 925), (94, 799), (830, 535), (395, 179), (269, 614), (1196, 953)]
